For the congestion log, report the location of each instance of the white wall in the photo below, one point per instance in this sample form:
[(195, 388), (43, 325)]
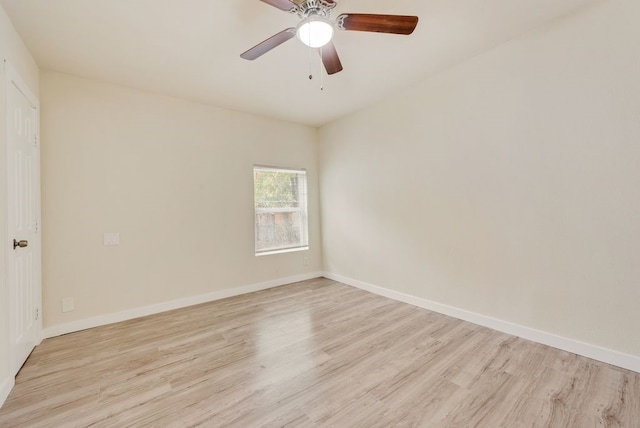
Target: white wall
[(174, 178), (508, 186), (14, 51)]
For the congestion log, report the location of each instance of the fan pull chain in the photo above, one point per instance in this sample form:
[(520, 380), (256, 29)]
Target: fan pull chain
[(310, 57), (321, 73), (310, 63)]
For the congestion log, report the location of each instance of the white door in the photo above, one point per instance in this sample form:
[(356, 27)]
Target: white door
[(23, 203)]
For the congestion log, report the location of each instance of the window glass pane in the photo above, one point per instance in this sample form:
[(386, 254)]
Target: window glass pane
[(276, 189), (280, 198)]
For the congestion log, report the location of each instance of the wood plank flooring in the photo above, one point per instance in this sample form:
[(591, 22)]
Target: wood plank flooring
[(313, 354)]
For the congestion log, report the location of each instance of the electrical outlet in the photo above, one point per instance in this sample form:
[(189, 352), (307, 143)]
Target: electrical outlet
[(67, 304), (305, 260), (111, 238)]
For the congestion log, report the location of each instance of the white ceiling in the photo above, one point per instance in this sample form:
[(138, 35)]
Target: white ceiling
[(191, 48)]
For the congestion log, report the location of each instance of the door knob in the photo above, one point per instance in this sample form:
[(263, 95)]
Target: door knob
[(21, 244)]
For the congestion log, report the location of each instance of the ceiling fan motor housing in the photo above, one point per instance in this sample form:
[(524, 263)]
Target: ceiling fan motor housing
[(316, 8)]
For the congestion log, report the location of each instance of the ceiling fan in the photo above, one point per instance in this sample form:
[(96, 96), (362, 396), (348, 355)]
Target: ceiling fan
[(316, 28)]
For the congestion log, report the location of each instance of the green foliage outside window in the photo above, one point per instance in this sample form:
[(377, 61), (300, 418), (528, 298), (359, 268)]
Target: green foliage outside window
[(275, 189)]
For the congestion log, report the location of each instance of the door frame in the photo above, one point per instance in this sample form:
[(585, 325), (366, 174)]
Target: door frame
[(13, 78)]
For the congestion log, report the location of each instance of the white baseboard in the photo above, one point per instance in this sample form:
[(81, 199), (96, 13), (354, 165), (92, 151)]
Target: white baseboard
[(5, 388), (619, 359), (100, 320)]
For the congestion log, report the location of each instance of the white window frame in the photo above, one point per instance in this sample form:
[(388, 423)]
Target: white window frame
[(302, 209)]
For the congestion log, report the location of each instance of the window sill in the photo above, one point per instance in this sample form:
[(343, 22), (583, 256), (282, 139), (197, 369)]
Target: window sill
[(286, 250)]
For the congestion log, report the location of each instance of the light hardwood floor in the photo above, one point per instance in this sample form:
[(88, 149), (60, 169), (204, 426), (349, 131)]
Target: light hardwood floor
[(315, 353)]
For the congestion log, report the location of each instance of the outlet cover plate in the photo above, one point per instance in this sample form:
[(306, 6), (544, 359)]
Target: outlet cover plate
[(111, 239), (68, 304)]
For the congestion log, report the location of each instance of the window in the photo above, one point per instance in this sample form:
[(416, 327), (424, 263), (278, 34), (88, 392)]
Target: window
[(280, 197)]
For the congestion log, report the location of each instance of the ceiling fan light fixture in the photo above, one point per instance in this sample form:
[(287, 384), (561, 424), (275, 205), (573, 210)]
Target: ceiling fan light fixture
[(315, 31)]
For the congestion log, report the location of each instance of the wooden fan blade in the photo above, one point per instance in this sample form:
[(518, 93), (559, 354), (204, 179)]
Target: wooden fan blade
[(285, 5), (394, 24), (330, 58), (272, 42)]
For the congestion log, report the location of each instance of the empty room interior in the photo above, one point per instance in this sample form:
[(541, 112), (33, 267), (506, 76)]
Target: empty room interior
[(340, 213)]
